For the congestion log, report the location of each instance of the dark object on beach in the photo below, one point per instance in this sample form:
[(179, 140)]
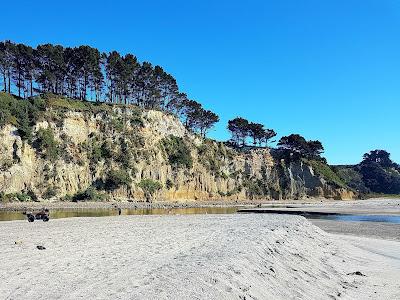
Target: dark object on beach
[(44, 215), (119, 211), (30, 217), (41, 247), (358, 273)]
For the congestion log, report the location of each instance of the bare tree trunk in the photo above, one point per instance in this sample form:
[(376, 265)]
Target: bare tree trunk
[(9, 83), (19, 84)]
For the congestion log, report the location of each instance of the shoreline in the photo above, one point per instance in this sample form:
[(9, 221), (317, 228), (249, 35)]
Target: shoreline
[(59, 205), (368, 206)]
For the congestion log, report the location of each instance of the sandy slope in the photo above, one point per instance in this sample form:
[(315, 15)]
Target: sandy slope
[(189, 257)]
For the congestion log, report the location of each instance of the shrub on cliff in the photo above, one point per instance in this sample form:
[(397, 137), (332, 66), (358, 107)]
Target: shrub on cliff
[(117, 178), (212, 156), (46, 144), (136, 117), (90, 194), (97, 150), (22, 114), (50, 193), (149, 187), (21, 197), (324, 170), (177, 151), (352, 178)]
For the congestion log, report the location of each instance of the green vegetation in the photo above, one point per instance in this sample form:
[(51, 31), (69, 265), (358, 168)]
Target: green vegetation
[(98, 150), (50, 193), (135, 119), (22, 114), (197, 118), (241, 129), (117, 124), (377, 174), (124, 156), (351, 177), (212, 154), (90, 194), (64, 104), (300, 147), (21, 197), (380, 174), (86, 74), (46, 144), (115, 88), (149, 187), (322, 169), (255, 187), (177, 151), (116, 179)]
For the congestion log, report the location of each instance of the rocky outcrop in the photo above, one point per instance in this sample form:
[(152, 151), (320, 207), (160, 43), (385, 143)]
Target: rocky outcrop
[(217, 172)]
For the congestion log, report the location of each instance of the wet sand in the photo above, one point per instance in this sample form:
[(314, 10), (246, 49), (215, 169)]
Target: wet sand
[(372, 206), (364, 229)]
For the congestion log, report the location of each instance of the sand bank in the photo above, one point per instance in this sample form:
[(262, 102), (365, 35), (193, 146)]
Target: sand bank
[(189, 257)]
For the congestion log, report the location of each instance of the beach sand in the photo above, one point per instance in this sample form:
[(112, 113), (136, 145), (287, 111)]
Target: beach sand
[(247, 256)]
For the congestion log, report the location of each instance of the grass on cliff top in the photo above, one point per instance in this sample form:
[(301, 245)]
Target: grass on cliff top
[(62, 103), (322, 169), (68, 104)]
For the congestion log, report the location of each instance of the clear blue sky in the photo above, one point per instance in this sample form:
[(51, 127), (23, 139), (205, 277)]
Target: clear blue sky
[(329, 70)]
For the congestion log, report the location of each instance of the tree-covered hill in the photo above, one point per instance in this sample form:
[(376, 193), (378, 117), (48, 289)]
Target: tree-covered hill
[(376, 174), (84, 73), (49, 83)]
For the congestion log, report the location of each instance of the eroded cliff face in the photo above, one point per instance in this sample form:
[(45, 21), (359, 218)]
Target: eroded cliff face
[(134, 140)]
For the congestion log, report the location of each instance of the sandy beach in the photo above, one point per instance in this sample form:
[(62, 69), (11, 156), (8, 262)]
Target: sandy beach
[(192, 257)]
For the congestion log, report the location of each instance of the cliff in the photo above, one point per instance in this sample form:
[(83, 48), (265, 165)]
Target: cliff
[(111, 152)]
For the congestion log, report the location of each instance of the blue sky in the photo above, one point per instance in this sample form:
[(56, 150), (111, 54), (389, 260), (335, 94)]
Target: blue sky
[(329, 70)]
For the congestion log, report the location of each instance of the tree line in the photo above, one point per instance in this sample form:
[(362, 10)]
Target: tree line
[(85, 73), (379, 173), (241, 130)]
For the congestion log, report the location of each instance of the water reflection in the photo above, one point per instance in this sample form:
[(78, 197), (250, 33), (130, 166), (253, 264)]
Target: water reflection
[(57, 214), (360, 218)]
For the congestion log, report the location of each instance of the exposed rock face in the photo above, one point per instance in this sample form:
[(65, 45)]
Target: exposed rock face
[(217, 172)]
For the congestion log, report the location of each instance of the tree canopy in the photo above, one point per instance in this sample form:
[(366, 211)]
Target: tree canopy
[(241, 129), (299, 145), (380, 157), (85, 73), (380, 174)]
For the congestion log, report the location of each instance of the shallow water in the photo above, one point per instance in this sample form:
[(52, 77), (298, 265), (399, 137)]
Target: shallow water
[(57, 214), (359, 218)]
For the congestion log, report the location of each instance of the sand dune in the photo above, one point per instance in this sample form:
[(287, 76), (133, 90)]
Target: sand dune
[(189, 257)]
